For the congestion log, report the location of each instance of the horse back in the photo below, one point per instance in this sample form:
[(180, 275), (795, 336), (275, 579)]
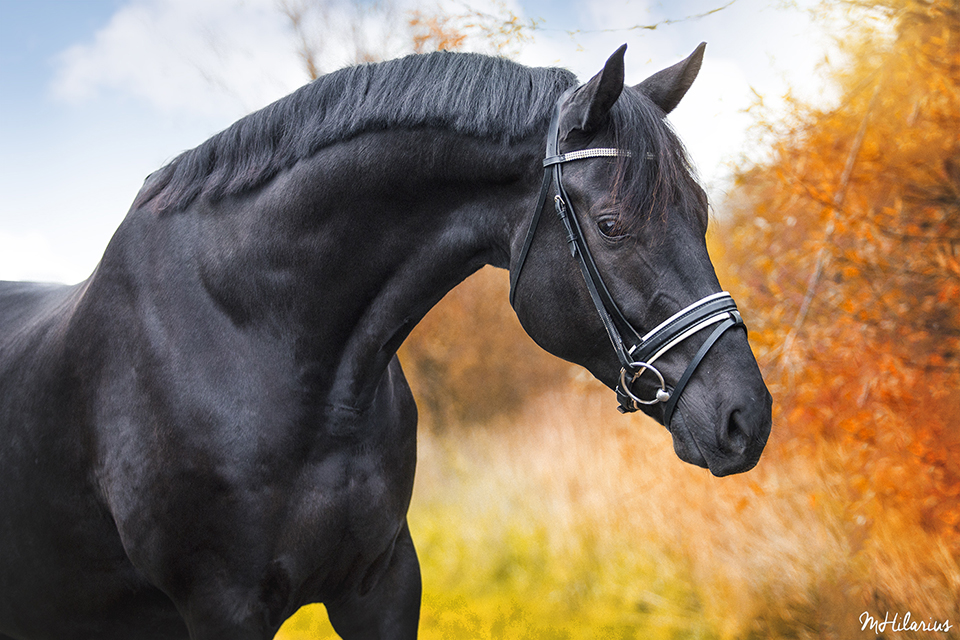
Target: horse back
[(37, 380), (26, 304), (34, 321)]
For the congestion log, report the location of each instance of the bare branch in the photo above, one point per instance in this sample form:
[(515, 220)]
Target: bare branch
[(835, 206), (296, 11), (644, 27)]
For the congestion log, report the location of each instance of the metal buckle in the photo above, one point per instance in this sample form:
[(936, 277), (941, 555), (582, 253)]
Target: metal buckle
[(662, 394)]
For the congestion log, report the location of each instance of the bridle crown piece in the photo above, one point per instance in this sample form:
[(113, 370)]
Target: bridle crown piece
[(717, 309)]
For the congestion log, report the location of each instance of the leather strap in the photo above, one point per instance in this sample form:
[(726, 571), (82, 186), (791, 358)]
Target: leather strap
[(716, 309), (541, 200), (595, 284), (712, 307), (731, 322)]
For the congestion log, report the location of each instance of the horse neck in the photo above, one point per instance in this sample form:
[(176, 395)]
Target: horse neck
[(349, 250)]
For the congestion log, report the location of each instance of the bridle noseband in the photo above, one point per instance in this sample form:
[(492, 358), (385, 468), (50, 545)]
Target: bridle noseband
[(637, 353)]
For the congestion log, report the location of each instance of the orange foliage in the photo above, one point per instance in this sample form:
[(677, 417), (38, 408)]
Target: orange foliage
[(436, 32), (499, 29), (469, 359), (845, 251)]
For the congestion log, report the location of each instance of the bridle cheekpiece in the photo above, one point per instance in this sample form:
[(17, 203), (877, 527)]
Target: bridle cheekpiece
[(636, 353)]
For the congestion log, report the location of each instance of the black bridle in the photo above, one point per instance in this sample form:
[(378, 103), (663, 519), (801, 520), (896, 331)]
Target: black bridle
[(636, 353)]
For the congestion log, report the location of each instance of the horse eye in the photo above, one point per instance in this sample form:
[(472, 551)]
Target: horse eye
[(610, 227)]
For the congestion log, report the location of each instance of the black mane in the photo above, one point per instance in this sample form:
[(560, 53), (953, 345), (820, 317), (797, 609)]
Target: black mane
[(474, 95), (471, 94)]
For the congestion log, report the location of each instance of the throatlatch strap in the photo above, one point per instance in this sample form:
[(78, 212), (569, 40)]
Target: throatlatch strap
[(554, 159), (531, 230), (552, 137)]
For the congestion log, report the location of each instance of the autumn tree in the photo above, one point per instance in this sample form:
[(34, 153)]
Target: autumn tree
[(329, 34), (496, 29), (845, 251)]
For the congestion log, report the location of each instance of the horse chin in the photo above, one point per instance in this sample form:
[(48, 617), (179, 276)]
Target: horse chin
[(684, 443), (688, 448)]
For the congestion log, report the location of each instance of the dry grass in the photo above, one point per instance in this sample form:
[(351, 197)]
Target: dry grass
[(571, 521)]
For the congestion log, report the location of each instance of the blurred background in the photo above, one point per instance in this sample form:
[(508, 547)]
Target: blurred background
[(828, 137)]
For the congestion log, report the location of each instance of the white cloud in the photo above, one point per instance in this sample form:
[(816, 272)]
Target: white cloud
[(228, 57), (712, 120), (751, 45), (608, 14), (31, 256), (208, 58), (204, 63)]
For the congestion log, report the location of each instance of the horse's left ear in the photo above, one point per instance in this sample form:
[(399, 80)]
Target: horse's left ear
[(589, 106), (666, 88)]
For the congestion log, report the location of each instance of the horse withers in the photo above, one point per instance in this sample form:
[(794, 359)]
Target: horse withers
[(214, 429)]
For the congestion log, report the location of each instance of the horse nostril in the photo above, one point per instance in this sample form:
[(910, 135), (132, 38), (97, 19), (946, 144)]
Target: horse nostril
[(736, 436)]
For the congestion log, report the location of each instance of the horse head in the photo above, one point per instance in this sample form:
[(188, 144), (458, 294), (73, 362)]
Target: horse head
[(620, 280)]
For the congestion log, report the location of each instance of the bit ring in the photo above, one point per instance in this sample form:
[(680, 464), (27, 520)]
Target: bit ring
[(662, 394)]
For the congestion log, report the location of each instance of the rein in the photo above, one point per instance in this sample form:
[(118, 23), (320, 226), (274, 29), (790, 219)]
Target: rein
[(636, 353)]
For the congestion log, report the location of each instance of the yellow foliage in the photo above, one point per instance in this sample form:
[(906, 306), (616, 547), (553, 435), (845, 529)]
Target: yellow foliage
[(435, 32)]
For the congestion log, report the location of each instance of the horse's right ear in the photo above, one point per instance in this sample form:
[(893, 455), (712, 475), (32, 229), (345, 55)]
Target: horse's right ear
[(588, 108), (666, 88)]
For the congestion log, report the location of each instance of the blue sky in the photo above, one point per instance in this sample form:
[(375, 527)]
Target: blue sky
[(96, 94), (35, 30)]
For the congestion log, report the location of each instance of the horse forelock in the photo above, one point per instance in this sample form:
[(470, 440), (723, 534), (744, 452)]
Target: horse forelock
[(657, 175), (469, 94)]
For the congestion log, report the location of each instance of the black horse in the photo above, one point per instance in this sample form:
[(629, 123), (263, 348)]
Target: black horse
[(214, 428)]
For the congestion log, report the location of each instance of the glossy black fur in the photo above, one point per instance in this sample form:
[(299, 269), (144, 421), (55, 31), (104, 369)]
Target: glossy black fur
[(214, 429)]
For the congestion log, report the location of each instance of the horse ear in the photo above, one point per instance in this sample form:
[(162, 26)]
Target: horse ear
[(666, 88), (589, 106)]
